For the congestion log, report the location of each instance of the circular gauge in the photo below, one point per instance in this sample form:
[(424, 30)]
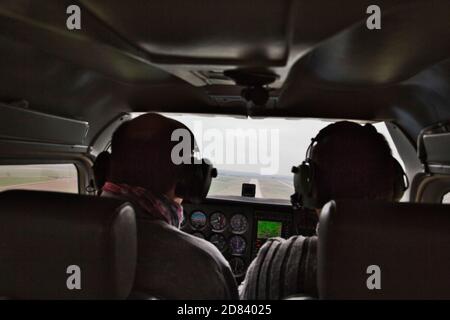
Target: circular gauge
[(238, 223), (219, 241), (218, 221), (237, 245), (198, 219), (198, 235), (238, 266)]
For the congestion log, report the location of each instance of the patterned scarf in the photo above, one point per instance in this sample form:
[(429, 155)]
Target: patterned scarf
[(158, 207)]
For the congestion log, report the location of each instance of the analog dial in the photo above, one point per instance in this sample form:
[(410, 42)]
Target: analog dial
[(238, 223), (219, 241), (218, 221), (198, 219), (237, 245)]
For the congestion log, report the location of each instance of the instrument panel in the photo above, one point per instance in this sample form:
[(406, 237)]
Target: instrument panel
[(237, 229)]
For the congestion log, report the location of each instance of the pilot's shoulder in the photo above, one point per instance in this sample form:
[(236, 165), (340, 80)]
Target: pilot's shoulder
[(203, 247), (275, 242), (278, 248), (195, 247)]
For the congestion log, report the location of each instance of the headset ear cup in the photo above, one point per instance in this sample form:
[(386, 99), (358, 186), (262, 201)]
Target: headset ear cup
[(305, 178), (196, 180), (400, 180), (203, 178), (303, 184), (183, 182), (101, 169)]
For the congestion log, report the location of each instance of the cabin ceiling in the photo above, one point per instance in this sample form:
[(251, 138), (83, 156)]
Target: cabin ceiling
[(170, 55)]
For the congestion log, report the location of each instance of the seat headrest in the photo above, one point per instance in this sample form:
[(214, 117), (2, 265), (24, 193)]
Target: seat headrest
[(42, 234), (409, 242)]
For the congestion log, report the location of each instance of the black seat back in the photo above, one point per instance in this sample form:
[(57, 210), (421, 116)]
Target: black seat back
[(409, 242), (43, 234)]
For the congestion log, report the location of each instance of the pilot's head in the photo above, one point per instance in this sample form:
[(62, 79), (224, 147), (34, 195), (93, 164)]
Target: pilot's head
[(348, 161), (141, 154)]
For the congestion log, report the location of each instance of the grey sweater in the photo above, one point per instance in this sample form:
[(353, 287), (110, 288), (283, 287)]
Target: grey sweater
[(282, 268), (172, 264)]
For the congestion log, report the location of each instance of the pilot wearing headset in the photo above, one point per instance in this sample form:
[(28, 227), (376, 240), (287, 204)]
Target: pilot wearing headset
[(344, 161), (171, 264)]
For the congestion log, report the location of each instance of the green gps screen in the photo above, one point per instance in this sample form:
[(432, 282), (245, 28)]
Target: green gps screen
[(268, 229)]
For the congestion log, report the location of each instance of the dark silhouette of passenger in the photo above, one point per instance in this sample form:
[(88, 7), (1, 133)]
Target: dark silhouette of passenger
[(171, 264), (345, 160)]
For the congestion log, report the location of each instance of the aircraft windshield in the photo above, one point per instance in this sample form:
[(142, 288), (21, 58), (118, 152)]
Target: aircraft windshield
[(256, 151)]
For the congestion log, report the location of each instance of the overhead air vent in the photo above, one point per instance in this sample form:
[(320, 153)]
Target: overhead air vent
[(256, 82), (252, 77), (213, 77)]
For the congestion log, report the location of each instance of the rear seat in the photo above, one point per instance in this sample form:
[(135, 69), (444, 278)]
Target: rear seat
[(409, 242), (43, 234)]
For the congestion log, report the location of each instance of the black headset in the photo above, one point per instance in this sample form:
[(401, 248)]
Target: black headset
[(195, 179), (101, 169), (194, 184), (305, 175)]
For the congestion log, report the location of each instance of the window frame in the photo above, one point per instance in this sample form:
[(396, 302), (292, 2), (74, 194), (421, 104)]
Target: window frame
[(80, 167)]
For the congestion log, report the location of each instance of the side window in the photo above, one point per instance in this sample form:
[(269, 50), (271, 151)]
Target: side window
[(381, 128), (446, 198), (45, 177)]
